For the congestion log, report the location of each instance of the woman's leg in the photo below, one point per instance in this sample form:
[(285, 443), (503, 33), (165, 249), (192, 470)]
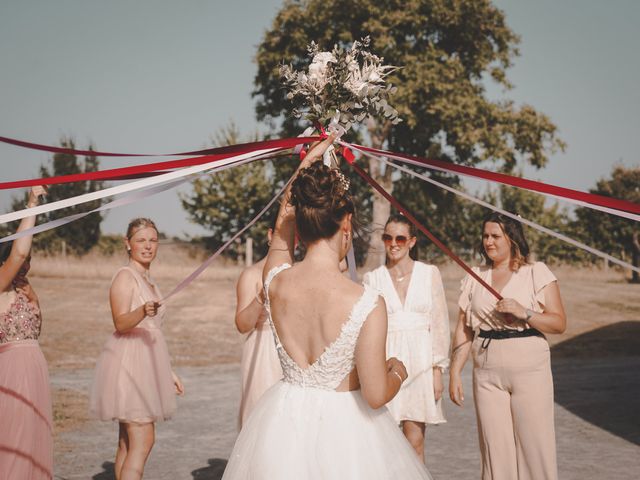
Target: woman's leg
[(141, 438), (123, 447), (532, 407), (414, 431)]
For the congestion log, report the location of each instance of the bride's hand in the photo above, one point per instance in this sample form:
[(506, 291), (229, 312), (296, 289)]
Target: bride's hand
[(317, 150), (395, 365)]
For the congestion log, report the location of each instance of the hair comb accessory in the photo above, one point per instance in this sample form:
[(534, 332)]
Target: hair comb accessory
[(344, 181)]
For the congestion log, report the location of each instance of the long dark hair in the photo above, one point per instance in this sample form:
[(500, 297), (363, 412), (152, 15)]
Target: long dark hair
[(322, 199), (399, 218), (515, 234)]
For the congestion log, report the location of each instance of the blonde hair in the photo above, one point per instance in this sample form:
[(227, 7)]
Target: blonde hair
[(138, 224)]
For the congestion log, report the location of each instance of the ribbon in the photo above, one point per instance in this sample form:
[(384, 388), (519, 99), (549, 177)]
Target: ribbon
[(367, 178), (135, 185), (530, 223), (231, 149), (136, 170), (611, 205), (126, 200), (184, 283)]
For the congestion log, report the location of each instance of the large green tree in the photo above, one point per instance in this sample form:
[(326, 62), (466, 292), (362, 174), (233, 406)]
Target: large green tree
[(80, 236), (447, 50), (617, 236)]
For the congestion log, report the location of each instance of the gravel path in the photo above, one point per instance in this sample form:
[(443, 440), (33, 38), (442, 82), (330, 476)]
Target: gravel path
[(597, 425)]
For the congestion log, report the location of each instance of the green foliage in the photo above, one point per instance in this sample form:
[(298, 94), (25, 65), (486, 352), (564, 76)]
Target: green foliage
[(110, 244), (447, 51), (77, 237), (612, 234), (532, 206), (225, 202)]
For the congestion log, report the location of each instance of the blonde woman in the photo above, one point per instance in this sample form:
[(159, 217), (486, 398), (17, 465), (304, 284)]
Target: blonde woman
[(134, 383)]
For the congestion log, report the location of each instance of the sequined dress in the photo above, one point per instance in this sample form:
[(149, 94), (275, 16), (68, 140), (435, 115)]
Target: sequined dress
[(26, 445), (302, 428)]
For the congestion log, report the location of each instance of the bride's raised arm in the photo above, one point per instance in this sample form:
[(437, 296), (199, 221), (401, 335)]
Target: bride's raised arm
[(283, 241)]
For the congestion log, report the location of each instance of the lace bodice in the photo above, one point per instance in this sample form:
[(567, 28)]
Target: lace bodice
[(22, 321), (338, 358)]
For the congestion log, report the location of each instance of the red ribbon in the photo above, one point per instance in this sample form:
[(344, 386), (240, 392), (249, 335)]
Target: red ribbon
[(137, 171), (367, 178), (592, 198), (232, 149)]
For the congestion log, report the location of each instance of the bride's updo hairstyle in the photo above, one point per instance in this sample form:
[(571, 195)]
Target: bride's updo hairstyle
[(321, 197)]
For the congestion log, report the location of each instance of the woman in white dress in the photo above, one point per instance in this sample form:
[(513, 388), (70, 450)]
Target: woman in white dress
[(260, 366), (418, 332), (326, 418)]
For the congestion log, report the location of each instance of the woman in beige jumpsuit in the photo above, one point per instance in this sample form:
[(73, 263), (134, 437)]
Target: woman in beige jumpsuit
[(512, 383)]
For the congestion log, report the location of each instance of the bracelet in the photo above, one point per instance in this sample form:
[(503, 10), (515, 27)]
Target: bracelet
[(398, 375)]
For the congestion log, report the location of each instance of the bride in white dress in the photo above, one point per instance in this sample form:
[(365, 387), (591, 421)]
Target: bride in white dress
[(326, 418)]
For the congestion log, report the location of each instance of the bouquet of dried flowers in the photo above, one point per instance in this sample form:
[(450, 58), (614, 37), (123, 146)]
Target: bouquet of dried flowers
[(341, 87)]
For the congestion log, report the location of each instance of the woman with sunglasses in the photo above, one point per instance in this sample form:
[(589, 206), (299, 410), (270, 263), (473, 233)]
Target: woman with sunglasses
[(512, 384), (26, 443), (418, 331)]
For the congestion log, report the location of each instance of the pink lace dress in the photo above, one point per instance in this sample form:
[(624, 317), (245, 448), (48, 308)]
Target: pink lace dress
[(26, 445), (133, 381), (303, 428)]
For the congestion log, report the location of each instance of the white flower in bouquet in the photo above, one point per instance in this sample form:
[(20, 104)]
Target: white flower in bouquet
[(343, 86)]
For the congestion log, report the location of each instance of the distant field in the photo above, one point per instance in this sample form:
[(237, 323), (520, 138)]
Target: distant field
[(199, 323)]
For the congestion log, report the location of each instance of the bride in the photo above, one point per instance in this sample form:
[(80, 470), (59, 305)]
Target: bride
[(326, 418)]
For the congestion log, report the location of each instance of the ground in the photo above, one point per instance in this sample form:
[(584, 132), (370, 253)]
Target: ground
[(595, 363)]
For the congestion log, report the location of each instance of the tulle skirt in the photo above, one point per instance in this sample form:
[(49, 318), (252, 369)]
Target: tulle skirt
[(26, 443), (312, 434), (133, 381), (260, 368), (415, 400)]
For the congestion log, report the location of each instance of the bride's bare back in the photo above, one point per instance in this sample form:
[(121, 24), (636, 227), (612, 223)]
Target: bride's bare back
[(311, 302)]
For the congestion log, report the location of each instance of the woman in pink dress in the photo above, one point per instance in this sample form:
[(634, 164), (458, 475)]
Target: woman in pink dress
[(134, 383), (26, 445), (260, 365)]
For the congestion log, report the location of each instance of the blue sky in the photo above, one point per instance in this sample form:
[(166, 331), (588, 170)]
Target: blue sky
[(159, 75)]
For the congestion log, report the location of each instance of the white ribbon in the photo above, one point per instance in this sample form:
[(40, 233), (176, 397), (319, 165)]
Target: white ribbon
[(126, 200), (613, 211), (534, 225), (128, 187), (184, 283)]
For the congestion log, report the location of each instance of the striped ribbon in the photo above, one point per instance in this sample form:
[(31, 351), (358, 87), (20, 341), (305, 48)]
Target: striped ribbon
[(128, 187), (530, 223), (621, 208)]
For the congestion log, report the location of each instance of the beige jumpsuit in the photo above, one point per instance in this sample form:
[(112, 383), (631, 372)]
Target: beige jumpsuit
[(512, 383)]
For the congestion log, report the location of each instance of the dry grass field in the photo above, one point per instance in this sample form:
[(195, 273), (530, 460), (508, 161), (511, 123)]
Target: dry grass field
[(199, 323)]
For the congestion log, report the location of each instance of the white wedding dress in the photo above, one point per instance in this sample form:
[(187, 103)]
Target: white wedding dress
[(302, 429)]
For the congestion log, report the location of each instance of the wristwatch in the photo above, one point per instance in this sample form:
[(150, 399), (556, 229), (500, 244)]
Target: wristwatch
[(530, 313)]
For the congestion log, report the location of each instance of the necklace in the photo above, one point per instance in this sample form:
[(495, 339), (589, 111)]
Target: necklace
[(400, 278)]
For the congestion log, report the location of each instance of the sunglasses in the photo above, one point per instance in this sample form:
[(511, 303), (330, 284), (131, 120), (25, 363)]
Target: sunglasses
[(401, 240)]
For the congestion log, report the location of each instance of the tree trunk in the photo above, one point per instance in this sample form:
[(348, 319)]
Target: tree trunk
[(635, 257), (381, 207)]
